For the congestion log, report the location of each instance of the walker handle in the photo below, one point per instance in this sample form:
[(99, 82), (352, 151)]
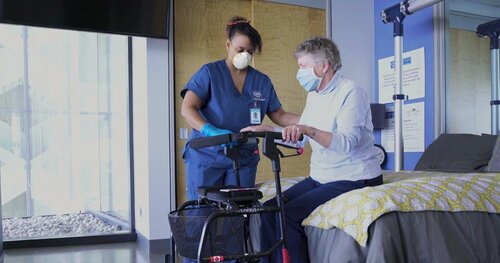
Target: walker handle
[(210, 141), (241, 137)]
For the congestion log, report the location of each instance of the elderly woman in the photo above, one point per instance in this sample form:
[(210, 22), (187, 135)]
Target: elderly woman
[(337, 123)]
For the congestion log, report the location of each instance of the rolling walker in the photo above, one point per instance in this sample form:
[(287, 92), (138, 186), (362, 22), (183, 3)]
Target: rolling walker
[(215, 227)]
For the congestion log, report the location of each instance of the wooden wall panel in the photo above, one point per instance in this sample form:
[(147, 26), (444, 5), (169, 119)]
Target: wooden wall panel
[(470, 83), (282, 28), (200, 38)]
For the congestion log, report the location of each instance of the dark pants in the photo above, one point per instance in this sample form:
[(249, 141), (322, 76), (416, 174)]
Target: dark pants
[(299, 201)]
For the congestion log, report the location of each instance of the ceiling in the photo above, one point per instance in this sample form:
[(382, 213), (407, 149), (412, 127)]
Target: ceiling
[(468, 14), (486, 2), (484, 8)]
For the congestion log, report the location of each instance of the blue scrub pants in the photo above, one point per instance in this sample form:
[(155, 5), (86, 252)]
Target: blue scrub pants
[(200, 175), (299, 201)]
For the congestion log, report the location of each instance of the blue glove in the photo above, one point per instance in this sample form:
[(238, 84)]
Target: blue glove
[(209, 130)]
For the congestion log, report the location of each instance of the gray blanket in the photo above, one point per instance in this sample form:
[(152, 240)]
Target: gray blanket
[(413, 237)]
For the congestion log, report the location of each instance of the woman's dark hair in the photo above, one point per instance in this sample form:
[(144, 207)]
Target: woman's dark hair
[(239, 24)]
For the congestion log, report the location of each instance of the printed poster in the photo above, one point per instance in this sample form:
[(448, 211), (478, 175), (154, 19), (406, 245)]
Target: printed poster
[(413, 128), (413, 76)]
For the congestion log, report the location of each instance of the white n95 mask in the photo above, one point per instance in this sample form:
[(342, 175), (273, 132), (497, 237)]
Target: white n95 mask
[(242, 60), (308, 79)]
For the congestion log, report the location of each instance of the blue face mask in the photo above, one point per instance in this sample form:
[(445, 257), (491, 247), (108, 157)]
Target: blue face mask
[(308, 79)]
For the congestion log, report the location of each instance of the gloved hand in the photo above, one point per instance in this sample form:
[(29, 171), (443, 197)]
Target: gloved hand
[(209, 130)]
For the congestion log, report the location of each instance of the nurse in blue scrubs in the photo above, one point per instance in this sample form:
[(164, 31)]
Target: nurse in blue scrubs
[(227, 96)]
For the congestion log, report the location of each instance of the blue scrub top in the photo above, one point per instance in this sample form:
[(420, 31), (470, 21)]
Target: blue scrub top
[(224, 107)]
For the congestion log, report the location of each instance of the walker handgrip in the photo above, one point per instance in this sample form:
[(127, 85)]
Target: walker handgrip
[(232, 137), (268, 135), (210, 141), (271, 135)]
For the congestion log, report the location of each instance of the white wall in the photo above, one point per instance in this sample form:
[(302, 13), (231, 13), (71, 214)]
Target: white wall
[(353, 32), (140, 131), (152, 138)]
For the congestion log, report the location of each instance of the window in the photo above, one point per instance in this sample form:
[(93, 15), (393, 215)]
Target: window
[(64, 132)]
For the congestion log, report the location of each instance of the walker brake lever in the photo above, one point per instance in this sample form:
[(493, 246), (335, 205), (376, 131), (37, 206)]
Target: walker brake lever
[(280, 153), (299, 150)]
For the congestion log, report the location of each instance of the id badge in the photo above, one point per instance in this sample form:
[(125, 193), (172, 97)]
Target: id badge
[(255, 114)]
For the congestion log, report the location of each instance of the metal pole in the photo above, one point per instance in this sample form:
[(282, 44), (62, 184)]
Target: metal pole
[(398, 105), (492, 30), (329, 19), (415, 5), (494, 90), (398, 93), (396, 14)]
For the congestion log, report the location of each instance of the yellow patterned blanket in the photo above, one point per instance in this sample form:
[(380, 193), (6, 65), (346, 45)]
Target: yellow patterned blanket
[(268, 188), (407, 191)]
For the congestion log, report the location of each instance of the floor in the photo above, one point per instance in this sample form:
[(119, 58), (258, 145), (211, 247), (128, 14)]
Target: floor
[(105, 253)]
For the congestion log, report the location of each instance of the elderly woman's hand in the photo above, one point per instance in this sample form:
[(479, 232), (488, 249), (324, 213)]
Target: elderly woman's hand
[(292, 133)]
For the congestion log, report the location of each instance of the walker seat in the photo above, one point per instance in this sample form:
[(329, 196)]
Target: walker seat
[(229, 194)]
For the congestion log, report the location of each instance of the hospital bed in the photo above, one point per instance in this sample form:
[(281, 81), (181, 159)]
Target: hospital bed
[(446, 212)]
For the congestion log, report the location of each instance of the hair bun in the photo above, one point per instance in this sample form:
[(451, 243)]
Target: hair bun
[(232, 23), (237, 20)]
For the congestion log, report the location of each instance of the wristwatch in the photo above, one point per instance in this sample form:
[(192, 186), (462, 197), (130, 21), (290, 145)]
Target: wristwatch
[(381, 154)]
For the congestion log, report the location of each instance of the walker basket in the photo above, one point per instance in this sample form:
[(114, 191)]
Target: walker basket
[(224, 235)]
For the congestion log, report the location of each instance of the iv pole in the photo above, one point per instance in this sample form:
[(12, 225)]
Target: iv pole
[(396, 14), (492, 30)]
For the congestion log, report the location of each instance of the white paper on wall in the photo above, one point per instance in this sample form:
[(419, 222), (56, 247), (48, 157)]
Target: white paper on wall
[(413, 128), (413, 76)]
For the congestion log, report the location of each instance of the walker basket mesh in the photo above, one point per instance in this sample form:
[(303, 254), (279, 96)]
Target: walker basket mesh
[(224, 235)]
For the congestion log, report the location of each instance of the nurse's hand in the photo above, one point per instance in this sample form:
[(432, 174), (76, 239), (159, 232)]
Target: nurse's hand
[(258, 128), (292, 133), (209, 130)]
